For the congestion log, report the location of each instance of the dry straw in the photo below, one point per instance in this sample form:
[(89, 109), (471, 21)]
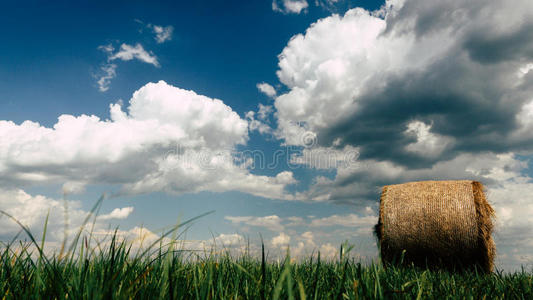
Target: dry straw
[(436, 224)]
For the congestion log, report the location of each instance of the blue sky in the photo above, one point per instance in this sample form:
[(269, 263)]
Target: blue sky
[(219, 48), (388, 92)]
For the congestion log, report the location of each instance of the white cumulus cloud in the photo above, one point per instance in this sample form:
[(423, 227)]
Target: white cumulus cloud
[(64, 216), (281, 240), (266, 89), (118, 213), (168, 139)]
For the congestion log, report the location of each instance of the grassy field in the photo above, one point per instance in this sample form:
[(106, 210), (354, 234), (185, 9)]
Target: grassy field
[(115, 274), (165, 272)]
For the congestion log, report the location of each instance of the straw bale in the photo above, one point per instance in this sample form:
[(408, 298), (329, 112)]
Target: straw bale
[(436, 224)]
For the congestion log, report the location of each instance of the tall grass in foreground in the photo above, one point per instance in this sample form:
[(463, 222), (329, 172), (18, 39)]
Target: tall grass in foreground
[(165, 272), (114, 273)]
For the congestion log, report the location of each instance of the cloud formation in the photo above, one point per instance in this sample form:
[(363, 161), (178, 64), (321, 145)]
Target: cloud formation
[(129, 52), (162, 33), (266, 89), (260, 120), (126, 52), (117, 213), (416, 94), (289, 6), (272, 223), (169, 140), (350, 220), (108, 73), (458, 78), (281, 240), (62, 217), (306, 235)]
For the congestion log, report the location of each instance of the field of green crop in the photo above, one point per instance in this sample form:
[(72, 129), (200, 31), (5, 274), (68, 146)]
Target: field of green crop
[(165, 272)]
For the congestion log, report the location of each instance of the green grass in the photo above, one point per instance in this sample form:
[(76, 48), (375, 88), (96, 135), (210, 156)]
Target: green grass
[(114, 273), (163, 272)]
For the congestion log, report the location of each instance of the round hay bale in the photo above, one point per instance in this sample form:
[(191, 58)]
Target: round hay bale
[(436, 224)]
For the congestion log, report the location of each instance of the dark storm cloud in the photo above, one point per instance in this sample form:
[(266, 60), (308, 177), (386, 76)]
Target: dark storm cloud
[(516, 45), (457, 99)]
